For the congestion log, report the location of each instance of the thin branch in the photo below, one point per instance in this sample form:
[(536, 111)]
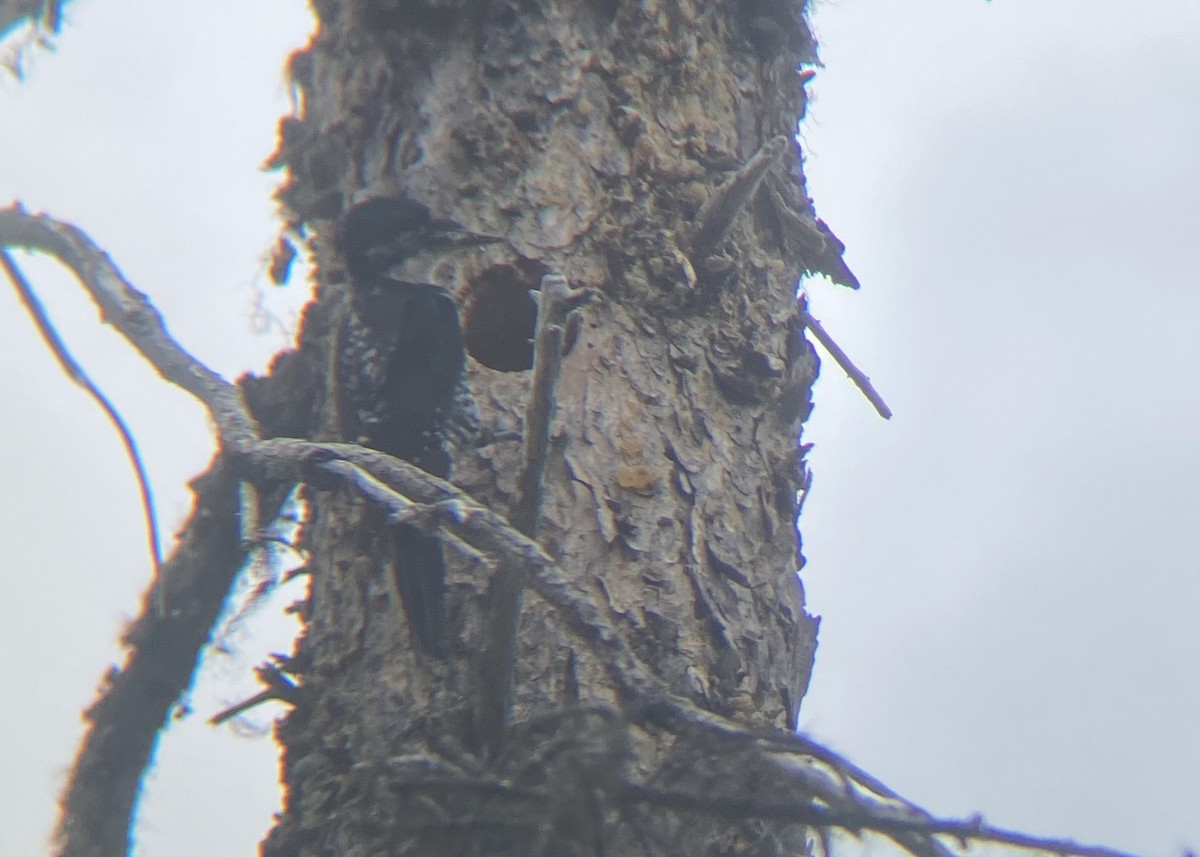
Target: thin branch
[(278, 688), (396, 484), (75, 372), (855, 374), (133, 316), (446, 506)]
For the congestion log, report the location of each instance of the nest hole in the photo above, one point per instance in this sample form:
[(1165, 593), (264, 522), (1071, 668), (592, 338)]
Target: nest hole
[(501, 317)]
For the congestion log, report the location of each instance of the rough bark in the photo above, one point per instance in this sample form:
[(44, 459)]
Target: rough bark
[(592, 135)]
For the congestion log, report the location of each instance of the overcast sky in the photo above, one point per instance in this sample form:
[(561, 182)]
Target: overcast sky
[(1007, 572)]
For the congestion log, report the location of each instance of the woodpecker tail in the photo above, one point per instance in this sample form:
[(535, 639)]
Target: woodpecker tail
[(420, 578)]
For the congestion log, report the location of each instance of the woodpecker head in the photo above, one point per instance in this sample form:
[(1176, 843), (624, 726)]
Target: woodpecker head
[(379, 233)]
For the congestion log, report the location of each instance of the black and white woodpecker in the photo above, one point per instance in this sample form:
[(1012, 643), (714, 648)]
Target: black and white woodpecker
[(401, 385)]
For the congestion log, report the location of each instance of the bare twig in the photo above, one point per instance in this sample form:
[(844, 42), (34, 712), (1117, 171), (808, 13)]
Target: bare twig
[(395, 485), (855, 374), (75, 372), (279, 688)]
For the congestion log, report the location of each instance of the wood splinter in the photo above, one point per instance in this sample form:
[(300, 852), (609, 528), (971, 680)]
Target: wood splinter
[(716, 215)]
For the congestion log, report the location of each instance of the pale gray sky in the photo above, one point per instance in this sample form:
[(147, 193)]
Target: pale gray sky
[(1007, 571)]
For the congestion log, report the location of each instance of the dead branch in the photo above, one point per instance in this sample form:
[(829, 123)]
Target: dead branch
[(824, 789), (557, 300), (853, 372), (396, 485), (497, 664), (839, 794), (133, 316), (136, 700), (277, 687), (972, 829), (806, 235), (74, 371)]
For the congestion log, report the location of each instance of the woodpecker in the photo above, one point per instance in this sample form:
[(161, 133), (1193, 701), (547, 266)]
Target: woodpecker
[(380, 233), (401, 375)]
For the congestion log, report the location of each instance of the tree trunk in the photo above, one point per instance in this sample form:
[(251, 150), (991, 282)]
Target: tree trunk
[(595, 136)]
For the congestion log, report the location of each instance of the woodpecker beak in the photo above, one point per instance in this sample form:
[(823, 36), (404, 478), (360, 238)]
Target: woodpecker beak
[(447, 233)]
